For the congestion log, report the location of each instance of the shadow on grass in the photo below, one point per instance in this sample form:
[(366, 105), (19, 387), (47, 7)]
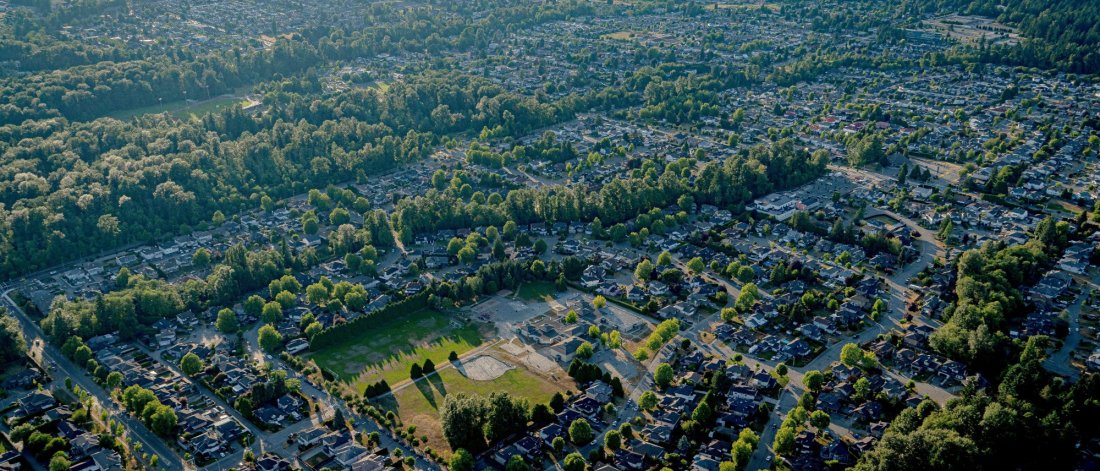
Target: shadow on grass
[(426, 389), (336, 359), (387, 403), (437, 381)]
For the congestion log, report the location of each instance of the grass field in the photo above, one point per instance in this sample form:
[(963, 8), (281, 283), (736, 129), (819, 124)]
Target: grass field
[(535, 290), (419, 404), (182, 109), (391, 346), (743, 6), (621, 35)]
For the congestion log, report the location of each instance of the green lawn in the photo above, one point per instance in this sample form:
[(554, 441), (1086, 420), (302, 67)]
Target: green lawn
[(419, 404), (181, 109), (535, 290), (387, 349)]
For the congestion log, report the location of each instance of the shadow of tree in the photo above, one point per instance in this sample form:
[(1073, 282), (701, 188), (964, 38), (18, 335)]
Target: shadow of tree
[(387, 403), (425, 388), (437, 381), (353, 372)]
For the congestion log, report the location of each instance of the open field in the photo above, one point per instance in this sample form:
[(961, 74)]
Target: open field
[(774, 7), (970, 29), (535, 290), (419, 404), (184, 109), (636, 36), (394, 345)]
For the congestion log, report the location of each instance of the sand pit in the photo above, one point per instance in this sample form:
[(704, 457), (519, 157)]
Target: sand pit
[(484, 368)]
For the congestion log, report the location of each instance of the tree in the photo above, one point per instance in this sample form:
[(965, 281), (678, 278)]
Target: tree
[(784, 441), (594, 331), (866, 151), (945, 230), (599, 302), (272, 313), (338, 419), (201, 258), (454, 245), (254, 305), (696, 265), (312, 329), (82, 355), (164, 421), (415, 371), (504, 416), (462, 460), (745, 274), (429, 366), (114, 379), (580, 432), (60, 462), (612, 440), (508, 231), (664, 259), (310, 224), (539, 246), (286, 299), (743, 448), (12, 343), (748, 296), (557, 402), (190, 364), (574, 462), (558, 444), (820, 419), (227, 322), (270, 339), (644, 270), (813, 380), (317, 294), (862, 388), (542, 414), (615, 339), (339, 216), (462, 418), (648, 401), (663, 375), (466, 255), (584, 351), (853, 356), (570, 317), (516, 463), (702, 413)]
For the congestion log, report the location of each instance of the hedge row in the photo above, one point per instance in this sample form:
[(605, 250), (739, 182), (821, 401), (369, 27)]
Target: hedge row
[(356, 327)]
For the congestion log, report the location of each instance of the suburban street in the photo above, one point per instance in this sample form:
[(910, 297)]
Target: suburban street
[(49, 355)]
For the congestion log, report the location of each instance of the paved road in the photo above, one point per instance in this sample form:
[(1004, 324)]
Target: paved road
[(1060, 362), (136, 430)]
